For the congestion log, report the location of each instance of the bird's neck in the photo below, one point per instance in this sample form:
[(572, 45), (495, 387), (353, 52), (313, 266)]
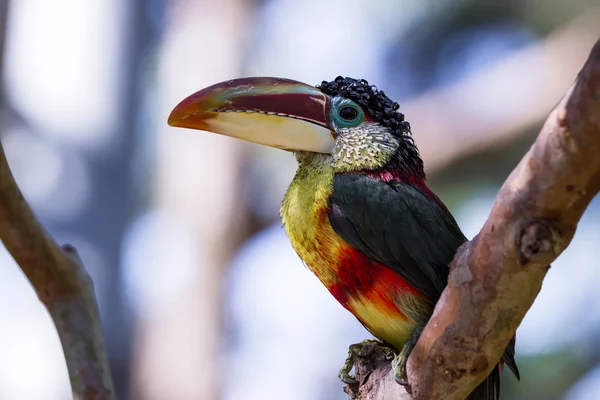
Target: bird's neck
[(409, 172), (406, 168), (398, 170)]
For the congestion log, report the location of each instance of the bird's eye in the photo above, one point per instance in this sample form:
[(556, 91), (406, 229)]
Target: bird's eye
[(348, 113), (345, 113)]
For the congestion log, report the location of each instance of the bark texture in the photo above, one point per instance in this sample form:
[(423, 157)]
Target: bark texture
[(495, 278)]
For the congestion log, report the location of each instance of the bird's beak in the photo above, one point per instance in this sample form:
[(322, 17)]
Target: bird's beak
[(274, 112)]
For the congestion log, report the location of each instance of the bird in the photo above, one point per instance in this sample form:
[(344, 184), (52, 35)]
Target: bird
[(358, 211)]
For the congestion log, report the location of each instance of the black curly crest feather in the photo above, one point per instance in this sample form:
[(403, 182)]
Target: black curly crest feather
[(374, 102), (383, 110)]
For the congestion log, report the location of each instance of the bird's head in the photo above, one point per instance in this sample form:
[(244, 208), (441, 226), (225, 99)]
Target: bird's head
[(355, 126)]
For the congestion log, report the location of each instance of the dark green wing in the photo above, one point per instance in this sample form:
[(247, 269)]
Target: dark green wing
[(397, 225)]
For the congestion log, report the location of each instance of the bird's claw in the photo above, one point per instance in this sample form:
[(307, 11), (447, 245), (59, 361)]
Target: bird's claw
[(361, 349), (347, 378), (344, 374), (399, 369), (399, 362)]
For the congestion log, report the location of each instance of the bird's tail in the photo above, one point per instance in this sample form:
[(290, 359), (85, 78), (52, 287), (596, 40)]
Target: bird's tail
[(490, 388)]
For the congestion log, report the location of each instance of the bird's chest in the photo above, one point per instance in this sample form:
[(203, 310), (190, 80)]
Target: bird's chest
[(376, 295), (304, 214)]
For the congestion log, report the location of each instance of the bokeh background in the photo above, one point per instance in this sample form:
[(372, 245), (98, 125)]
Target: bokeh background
[(201, 295)]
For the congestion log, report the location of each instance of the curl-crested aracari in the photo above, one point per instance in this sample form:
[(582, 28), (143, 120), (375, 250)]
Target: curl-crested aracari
[(358, 211)]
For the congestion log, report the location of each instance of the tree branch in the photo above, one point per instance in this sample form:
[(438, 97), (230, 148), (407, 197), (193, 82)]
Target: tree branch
[(373, 372), (63, 286), (495, 278)]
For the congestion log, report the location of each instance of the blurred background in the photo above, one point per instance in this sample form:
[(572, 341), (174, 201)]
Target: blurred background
[(201, 295)]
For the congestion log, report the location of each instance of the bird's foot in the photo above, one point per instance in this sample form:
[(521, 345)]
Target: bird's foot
[(399, 362), (361, 349)]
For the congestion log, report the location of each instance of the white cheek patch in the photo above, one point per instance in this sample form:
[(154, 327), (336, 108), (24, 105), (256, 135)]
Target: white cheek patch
[(365, 147)]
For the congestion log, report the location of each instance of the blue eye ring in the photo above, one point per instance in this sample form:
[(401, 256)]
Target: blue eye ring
[(346, 113)]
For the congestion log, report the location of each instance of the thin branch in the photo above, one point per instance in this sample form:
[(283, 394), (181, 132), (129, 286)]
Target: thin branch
[(495, 278), (62, 285)]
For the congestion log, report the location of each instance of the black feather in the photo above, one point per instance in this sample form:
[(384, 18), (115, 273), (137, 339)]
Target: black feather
[(509, 358), (397, 225), (489, 389), (380, 107), (404, 228)]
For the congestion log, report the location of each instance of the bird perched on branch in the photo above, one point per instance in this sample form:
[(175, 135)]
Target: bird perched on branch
[(358, 212)]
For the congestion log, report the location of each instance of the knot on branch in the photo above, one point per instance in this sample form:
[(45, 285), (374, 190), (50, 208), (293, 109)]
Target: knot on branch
[(538, 242)]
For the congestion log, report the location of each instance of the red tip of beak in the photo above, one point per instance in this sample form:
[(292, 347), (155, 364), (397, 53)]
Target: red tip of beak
[(191, 112)]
